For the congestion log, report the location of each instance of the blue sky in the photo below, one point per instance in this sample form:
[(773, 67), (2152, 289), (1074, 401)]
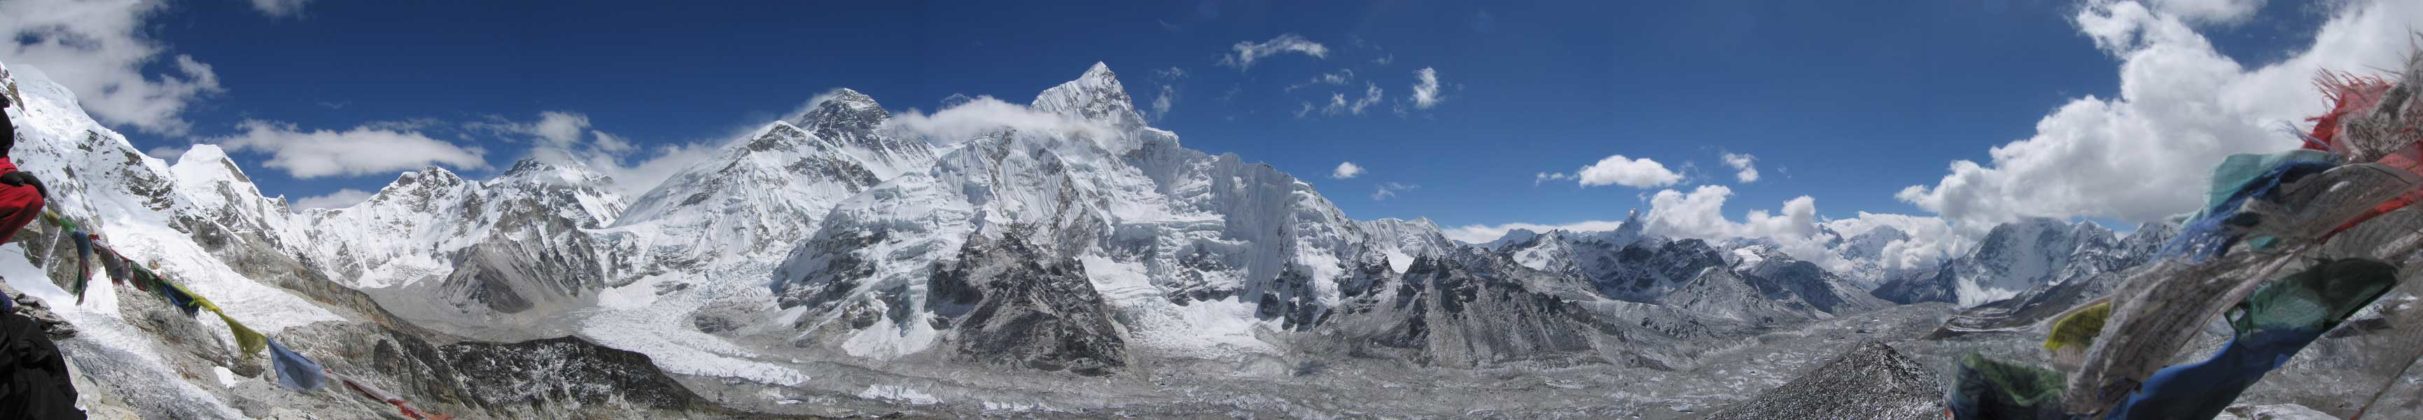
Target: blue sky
[(1848, 103)]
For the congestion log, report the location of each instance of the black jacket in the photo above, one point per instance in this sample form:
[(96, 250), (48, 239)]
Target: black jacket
[(33, 375)]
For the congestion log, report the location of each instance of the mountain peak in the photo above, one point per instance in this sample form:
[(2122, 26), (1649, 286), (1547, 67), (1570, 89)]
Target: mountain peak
[(1096, 95), (842, 110), (527, 166), (1101, 71), (209, 162)]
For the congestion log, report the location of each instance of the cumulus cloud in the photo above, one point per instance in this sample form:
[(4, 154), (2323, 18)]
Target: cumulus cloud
[(1346, 170), (280, 8), (1390, 190), (1745, 167), (341, 198), (1620, 170), (1426, 88), (359, 151), (1247, 52), (1931, 240), (2181, 108), (1795, 229), (98, 50), (1700, 214)]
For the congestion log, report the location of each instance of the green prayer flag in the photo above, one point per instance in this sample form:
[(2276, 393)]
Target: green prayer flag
[(251, 342)]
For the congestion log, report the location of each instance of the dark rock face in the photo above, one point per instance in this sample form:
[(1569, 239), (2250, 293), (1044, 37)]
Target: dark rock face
[(1644, 271), (1472, 310), (565, 373), (1803, 280), (1291, 300), (1013, 305), (1872, 381), (1933, 286)]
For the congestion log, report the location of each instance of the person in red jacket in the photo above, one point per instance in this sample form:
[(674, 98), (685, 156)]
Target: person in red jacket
[(21, 195)]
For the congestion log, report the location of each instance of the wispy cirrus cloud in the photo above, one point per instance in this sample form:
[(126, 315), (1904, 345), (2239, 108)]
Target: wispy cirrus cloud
[(1389, 190), (1245, 53)]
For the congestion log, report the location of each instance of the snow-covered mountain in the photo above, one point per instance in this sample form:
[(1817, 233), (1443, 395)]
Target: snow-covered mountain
[(487, 255), (846, 246), (1192, 248), (1737, 280)]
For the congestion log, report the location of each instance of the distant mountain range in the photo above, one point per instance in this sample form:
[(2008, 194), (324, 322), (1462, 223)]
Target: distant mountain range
[(833, 257)]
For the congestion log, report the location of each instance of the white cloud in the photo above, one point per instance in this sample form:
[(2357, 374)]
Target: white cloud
[(1700, 214), (1745, 167), (280, 8), (985, 116), (1544, 177), (341, 198), (634, 175), (570, 138), (1620, 170), (1247, 52), (1426, 88), (1338, 78), (2181, 108), (1338, 105), (1931, 240), (1390, 190), (1346, 170), (2222, 12), (359, 151), (98, 50), (1163, 102), (1168, 92), (1794, 229)]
